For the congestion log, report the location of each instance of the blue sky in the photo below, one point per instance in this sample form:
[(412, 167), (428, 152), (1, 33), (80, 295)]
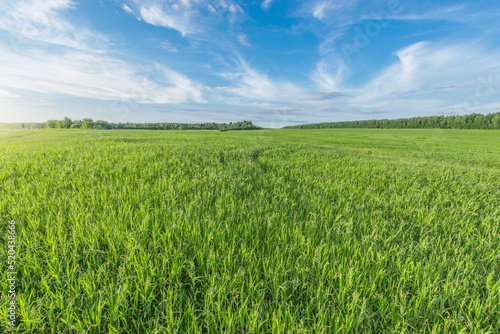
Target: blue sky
[(274, 62)]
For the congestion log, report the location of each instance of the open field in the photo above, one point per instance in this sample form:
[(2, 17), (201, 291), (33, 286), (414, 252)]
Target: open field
[(282, 231)]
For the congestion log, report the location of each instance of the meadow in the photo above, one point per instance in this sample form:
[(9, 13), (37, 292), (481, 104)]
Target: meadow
[(270, 231)]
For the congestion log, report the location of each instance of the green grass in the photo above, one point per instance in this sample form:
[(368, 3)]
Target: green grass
[(275, 231)]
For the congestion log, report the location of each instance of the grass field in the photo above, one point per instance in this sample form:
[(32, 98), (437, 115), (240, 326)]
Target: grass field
[(273, 231)]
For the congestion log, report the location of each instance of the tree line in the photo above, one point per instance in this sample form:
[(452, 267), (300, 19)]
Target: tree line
[(89, 124), (244, 125), (471, 121)]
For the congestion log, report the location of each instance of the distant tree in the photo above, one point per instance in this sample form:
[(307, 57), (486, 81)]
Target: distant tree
[(88, 123), (495, 121), (471, 121), (102, 125), (51, 124), (66, 123)]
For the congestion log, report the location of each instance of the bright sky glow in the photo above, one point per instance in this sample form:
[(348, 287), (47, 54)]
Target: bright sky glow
[(274, 62)]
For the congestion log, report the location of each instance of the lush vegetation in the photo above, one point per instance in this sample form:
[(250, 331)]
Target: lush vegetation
[(472, 121), (282, 231), (88, 123)]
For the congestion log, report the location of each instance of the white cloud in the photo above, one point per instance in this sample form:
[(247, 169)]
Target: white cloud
[(328, 75), (235, 9), (189, 17), (168, 18), (42, 21), (424, 65), (452, 13), (167, 46), (81, 68), (127, 9), (90, 76), (437, 77), (463, 77), (266, 4), (318, 11), (331, 11), (243, 39), (250, 84)]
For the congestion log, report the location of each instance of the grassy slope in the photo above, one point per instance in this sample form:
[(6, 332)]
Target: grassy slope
[(283, 231)]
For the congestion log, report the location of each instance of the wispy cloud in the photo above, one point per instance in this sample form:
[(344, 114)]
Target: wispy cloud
[(81, 68), (127, 9), (89, 76), (329, 74), (42, 21), (451, 13), (246, 83), (171, 17), (427, 64), (324, 10), (185, 16), (243, 39), (235, 9), (167, 46), (266, 4)]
